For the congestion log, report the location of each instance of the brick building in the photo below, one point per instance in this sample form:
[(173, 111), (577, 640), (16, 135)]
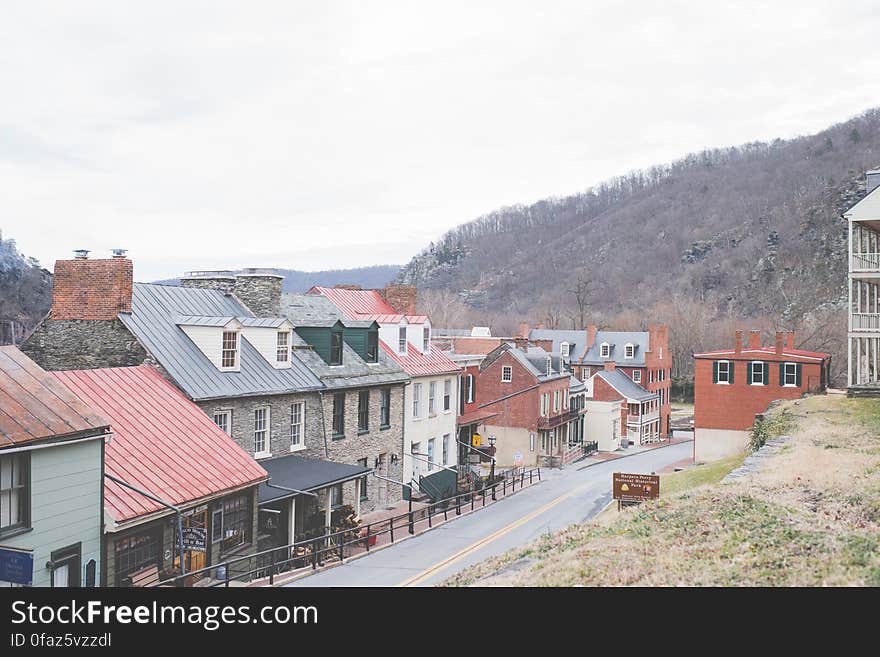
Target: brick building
[(640, 408), (731, 386)]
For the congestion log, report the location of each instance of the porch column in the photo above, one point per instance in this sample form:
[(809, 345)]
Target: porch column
[(328, 510), (357, 498), (291, 522)]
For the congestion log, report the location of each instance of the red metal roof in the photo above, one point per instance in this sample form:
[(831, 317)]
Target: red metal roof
[(767, 351), (35, 406), (365, 304), (162, 443), (415, 363)]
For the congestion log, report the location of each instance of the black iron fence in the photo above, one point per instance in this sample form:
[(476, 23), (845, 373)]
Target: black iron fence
[(340, 545)]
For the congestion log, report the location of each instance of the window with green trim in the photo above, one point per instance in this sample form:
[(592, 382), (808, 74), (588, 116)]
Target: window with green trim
[(338, 415)]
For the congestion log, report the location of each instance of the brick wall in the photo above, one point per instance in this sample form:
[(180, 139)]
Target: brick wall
[(400, 297), (91, 289), (659, 359)]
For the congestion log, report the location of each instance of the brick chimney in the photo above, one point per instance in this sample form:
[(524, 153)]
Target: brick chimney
[(738, 342), (541, 326), (521, 342), (754, 339), (610, 365), (524, 329), (592, 331), (259, 290), (780, 342), (789, 340), (92, 289), (400, 297), (658, 339)]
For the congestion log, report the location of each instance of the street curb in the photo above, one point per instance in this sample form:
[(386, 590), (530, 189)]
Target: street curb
[(626, 456), (336, 564)]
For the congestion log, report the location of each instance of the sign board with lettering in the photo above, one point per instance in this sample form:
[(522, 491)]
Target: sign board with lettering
[(195, 539), (517, 459), (635, 487), (16, 566)]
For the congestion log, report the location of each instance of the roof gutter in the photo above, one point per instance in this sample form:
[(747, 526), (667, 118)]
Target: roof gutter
[(34, 445)]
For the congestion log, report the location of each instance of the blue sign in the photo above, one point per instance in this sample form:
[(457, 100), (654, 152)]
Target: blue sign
[(16, 566)]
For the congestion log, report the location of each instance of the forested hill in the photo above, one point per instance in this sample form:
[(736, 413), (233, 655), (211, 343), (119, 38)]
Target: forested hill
[(747, 231), (25, 292)]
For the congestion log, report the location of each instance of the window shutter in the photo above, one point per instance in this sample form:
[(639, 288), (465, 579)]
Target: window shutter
[(750, 372), (730, 368), (797, 376), (781, 374), (715, 371), (766, 374)]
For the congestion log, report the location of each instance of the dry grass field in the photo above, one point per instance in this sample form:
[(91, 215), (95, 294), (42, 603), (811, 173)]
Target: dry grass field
[(809, 517)]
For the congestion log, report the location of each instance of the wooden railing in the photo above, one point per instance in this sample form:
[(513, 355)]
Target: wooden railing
[(866, 321), (865, 261)]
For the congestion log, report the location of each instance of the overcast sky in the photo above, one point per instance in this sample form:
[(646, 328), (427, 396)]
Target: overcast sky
[(318, 135)]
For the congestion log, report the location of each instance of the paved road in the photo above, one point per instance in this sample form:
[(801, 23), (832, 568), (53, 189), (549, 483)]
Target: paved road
[(565, 497)]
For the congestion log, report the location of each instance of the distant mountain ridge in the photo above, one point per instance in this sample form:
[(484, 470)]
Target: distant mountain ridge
[(296, 281)]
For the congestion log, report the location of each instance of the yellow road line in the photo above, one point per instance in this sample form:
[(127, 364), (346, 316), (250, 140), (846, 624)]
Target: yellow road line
[(415, 580)]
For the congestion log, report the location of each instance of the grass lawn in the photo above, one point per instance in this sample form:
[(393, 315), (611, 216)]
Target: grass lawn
[(809, 517)]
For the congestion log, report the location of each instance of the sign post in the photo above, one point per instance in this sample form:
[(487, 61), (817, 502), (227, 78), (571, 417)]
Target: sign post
[(634, 488)]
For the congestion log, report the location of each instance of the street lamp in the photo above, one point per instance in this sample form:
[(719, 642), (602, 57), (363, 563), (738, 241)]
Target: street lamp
[(492, 466)]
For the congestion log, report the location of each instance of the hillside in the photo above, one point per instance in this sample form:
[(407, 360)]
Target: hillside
[(25, 292), (296, 281), (747, 232), (807, 515)]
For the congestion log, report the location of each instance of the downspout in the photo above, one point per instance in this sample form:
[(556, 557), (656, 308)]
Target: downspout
[(323, 426), (163, 503)]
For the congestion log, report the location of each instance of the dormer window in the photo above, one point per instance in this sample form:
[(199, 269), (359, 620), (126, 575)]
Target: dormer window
[(229, 353), (629, 350), (282, 350), (373, 347), (549, 365), (336, 347), (564, 349), (426, 339), (401, 339), (605, 350)]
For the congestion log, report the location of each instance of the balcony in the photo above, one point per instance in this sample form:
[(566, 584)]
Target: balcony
[(866, 321), (559, 419), (647, 418), (865, 262)]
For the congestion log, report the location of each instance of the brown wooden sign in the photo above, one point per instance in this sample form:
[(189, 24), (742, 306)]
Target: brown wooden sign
[(635, 487)]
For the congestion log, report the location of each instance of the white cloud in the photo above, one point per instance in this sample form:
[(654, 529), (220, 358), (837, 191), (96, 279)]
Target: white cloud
[(326, 135)]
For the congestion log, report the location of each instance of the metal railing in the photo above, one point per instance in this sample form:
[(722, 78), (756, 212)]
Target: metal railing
[(866, 321), (557, 419), (863, 261), (343, 544)]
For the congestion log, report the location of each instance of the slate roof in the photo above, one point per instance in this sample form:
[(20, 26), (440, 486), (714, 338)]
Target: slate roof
[(535, 362), (617, 340), (155, 310), (354, 371), (162, 442), (625, 385), (34, 406), (577, 340), (292, 471), (364, 304)]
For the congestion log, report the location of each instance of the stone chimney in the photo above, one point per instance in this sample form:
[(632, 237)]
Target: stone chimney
[(789, 340), (524, 329), (780, 343), (222, 280), (610, 365), (872, 180), (400, 297), (91, 289), (738, 342), (260, 291), (754, 339)]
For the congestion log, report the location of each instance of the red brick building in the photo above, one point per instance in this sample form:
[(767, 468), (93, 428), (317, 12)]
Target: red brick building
[(640, 408), (731, 386)]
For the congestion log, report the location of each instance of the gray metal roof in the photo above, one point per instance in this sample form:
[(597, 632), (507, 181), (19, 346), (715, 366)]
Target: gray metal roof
[(154, 311), (535, 361), (625, 385), (575, 384), (577, 340), (263, 322), (617, 340), (201, 320), (309, 310), (292, 471)]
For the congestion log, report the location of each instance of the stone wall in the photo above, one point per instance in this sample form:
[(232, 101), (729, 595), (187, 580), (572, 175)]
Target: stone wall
[(82, 344), (261, 293)]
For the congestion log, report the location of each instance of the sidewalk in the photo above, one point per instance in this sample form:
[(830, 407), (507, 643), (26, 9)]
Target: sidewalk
[(602, 457)]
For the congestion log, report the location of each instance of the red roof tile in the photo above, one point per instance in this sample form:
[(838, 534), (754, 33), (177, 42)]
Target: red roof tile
[(415, 363), (365, 304), (162, 442), (35, 406)]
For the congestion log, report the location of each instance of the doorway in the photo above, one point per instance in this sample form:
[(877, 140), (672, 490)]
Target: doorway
[(66, 564), (195, 559)]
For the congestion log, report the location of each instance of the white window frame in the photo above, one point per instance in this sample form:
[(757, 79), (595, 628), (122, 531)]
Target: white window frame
[(604, 350), (446, 445), (629, 350), (224, 350), (785, 383), (417, 401), (447, 395), (401, 339), (297, 442), (282, 352), (726, 381), (431, 442), (637, 376), (227, 413), (564, 349), (432, 398), (752, 373), (586, 373), (15, 492), (557, 396), (531, 442), (426, 339), (266, 430), (506, 374), (469, 389)]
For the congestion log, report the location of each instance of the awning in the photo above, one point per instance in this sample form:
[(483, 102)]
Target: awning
[(476, 417), (304, 474)]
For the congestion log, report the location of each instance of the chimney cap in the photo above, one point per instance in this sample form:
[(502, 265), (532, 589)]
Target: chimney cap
[(81, 254), (118, 253)]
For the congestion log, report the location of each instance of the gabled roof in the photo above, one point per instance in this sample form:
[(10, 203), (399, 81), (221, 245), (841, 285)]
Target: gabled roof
[(625, 385), (617, 340), (34, 406), (162, 442), (746, 353), (364, 304), (866, 209), (416, 363), (153, 320), (534, 361)]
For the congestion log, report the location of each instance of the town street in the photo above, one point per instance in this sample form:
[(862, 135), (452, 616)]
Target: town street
[(564, 498)]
